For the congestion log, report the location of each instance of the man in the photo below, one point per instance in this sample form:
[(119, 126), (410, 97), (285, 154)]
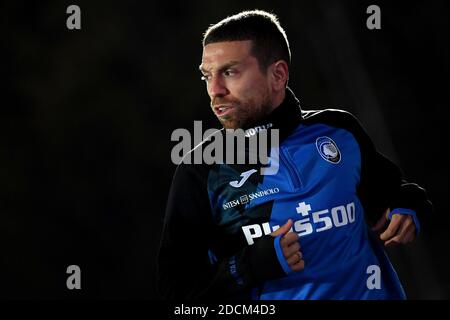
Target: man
[(226, 236)]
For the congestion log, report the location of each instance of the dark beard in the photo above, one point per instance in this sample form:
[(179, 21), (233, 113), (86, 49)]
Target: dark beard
[(249, 118)]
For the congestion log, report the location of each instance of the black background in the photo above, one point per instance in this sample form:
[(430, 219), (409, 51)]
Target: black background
[(87, 116)]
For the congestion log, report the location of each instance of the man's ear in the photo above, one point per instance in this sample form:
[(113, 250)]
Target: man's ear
[(279, 74)]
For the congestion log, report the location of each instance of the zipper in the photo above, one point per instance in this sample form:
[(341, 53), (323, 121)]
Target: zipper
[(290, 166)]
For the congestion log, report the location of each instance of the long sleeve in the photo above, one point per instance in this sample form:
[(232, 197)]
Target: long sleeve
[(187, 268), (382, 183)]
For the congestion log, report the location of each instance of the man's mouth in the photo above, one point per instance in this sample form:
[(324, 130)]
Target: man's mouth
[(222, 111)]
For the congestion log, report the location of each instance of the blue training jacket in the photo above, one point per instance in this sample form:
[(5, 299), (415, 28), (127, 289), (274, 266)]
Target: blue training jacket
[(329, 180)]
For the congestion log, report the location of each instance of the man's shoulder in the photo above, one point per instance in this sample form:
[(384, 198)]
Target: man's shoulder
[(338, 118), (323, 114), (333, 117), (193, 161)]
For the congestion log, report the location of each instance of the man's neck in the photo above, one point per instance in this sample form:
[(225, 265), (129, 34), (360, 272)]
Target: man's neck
[(278, 99)]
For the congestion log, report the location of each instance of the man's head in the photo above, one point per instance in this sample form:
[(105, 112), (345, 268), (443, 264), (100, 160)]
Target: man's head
[(245, 64)]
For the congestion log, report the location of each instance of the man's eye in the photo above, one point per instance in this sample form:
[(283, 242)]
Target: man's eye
[(228, 73), (205, 78)]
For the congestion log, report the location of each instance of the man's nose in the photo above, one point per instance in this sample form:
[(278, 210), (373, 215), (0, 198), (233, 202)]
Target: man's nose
[(217, 88)]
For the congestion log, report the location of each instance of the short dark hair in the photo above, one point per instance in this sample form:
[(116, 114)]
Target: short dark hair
[(270, 43)]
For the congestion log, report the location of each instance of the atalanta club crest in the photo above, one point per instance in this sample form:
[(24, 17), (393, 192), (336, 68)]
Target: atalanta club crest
[(328, 149)]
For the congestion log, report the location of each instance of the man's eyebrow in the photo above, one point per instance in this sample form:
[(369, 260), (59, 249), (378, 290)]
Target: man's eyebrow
[(222, 68)]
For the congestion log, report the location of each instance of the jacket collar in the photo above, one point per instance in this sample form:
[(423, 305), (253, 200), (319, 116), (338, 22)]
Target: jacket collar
[(286, 117)]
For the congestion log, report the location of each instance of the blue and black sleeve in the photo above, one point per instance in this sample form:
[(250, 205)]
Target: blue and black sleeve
[(186, 269)]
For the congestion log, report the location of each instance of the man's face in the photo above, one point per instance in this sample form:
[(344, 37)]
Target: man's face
[(240, 93)]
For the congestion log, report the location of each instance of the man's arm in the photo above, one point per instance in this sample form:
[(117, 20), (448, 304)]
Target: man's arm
[(389, 200), (186, 270)]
